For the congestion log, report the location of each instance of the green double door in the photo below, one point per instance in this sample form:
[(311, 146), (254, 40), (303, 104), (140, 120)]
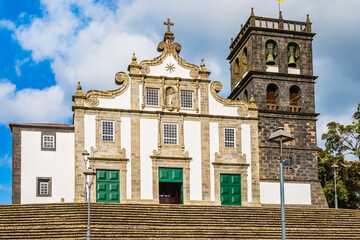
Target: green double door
[(230, 189), (107, 186), (170, 185)]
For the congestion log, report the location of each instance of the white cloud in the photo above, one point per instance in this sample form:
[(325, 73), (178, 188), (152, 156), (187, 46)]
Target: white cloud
[(5, 161), (31, 105), (7, 25), (18, 65)]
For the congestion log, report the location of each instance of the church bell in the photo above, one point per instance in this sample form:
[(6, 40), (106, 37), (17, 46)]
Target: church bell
[(292, 62), (270, 54)]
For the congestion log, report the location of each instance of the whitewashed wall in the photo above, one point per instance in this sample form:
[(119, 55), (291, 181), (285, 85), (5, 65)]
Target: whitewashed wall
[(192, 141), (59, 165), (217, 108), (122, 101), (246, 149), (295, 193), (161, 70), (148, 142)]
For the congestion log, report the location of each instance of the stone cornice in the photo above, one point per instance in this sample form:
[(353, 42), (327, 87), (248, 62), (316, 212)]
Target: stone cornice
[(156, 113), (231, 164), (171, 157), (107, 159), (274, 76), (145, 76)]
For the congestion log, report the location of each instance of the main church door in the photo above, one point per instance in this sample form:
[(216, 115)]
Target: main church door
[(230, 188), (170, 185), (107, 186)]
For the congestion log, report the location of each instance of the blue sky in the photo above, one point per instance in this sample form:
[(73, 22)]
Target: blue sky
[(48, 46)]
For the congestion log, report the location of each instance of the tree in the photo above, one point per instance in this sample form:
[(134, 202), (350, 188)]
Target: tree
[(348, 180), (341, 141)]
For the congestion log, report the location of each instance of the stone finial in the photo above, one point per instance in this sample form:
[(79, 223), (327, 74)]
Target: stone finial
[(133, 58), (202, 64), (78, 87), (241, 26), (307, 18), (232, 40), (280, 15), (252, 102), (252, 12)]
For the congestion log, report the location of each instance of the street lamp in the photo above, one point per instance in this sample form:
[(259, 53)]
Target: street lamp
[(85, 155), (335, 167), (89, 176), (281, 136)]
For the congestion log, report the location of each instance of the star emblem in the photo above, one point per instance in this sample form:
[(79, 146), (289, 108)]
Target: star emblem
[(170, 67)]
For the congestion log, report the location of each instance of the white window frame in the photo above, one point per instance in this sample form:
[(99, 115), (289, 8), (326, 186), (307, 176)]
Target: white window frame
[(45, 191), (229, 143), (170, 138), (184, 100), (107, 137), (48, 143), (150, 97)]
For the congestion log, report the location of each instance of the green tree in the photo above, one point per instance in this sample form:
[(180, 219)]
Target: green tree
[(341, 141)]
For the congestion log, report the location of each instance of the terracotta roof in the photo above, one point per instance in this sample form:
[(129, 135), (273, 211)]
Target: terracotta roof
[(41, 125)]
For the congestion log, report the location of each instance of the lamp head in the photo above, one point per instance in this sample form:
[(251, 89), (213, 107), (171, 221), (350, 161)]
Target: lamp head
[(280, 134), (334, 166), (91, 173)]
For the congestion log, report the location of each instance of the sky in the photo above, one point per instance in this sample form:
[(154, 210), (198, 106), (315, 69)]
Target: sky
[(47, 46)]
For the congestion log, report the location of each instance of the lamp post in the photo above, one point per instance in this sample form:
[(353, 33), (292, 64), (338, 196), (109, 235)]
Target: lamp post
[(281, 136), (89, 175), (335, 167), (85, 155)]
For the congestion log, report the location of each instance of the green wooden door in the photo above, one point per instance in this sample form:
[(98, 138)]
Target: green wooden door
[(107, 186), (230, 188), (173, 177)]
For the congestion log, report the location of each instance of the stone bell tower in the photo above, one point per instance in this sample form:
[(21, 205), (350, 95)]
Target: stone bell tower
[(271, 60)]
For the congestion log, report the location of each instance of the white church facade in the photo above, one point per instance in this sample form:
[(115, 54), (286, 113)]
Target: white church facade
[(163, 136)]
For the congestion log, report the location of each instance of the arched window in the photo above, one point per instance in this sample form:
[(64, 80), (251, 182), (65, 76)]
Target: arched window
[(271, 94), (294, 96), (271, 52), (293, 54), (244, 62)]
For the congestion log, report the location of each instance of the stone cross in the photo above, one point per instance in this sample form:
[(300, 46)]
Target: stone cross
[(168, 23)]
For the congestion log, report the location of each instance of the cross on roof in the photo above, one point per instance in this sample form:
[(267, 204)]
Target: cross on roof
[(168, 23)]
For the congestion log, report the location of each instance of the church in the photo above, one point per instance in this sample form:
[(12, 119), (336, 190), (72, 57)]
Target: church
[(165, 135)]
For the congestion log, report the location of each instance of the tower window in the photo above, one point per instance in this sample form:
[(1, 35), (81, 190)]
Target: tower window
[(271, 94), (293, 53), (271, 52), (294, 96), (152, 96)]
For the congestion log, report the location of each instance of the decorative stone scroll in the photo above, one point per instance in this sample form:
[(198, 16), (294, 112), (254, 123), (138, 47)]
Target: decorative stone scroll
[(243, 106), (121, 78)]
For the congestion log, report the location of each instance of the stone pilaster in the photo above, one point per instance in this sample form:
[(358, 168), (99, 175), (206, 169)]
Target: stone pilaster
[(79, 161), (255, 164), (135, 158), (205, 159)]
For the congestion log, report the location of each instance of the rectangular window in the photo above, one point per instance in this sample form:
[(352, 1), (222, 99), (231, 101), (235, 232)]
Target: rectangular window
[(170, 133), (186, 99), (152, 96), (43, 186), (107, 131), (48, 141), (229, 137)]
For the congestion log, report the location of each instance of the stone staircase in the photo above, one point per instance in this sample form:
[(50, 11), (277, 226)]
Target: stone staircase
[(134, 221)]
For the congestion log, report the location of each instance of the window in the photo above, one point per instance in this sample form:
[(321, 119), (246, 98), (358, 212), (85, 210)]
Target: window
[(170, 133), (152, 96), (43, 186), (271, 94), (229, 137), (48, 141), (107, 131), (186, 99)]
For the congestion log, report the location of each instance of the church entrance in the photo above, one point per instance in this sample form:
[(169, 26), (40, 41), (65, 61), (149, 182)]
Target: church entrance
[(170, 185), (230, 189), (107, 186)]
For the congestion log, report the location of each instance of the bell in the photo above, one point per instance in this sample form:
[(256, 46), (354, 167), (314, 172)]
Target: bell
[(270, 59), (292, 62)]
